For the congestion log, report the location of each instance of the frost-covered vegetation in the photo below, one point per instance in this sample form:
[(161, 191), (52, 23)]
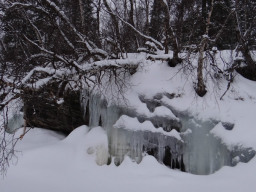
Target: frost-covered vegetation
[(159, 83)]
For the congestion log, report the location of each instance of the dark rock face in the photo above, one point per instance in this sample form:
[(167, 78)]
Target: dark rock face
[(247, 73), (174, 61), (43, 109), (228, 126)]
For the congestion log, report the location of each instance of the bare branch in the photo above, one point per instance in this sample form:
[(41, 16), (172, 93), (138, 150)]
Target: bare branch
[(148, 38)]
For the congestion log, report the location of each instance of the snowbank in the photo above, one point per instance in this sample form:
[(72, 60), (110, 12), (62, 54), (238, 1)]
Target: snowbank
[(64, 165), (50, 162)]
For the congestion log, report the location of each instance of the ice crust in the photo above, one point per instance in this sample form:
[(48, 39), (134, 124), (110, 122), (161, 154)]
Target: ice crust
[(184, 142), (132, 136)]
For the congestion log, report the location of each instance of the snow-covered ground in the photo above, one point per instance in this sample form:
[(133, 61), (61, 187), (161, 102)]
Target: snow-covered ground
[(50, 162)]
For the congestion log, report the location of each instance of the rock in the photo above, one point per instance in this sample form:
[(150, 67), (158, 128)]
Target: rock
[(228, 126), (43, 109), (247, 72), (174, 61)]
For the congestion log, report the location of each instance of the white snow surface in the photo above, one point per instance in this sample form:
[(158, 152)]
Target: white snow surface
[(133, 124), (50, 162)]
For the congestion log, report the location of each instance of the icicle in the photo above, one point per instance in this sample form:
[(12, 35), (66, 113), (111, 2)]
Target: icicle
[(15, 122), (195, 149), (84, 98)]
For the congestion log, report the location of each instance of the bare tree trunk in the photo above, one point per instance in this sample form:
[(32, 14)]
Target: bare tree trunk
[(243, 41), (166, 42), (113, 18), (170, 35), (201, 88), (131, 21), (204, 13), (98, 16), (147, 16), (116, 25), (125, 9), (81, 7), (167, 26)]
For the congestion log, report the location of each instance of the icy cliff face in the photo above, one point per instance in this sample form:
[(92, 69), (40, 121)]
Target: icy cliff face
[(15, 122), (203, 153), (135, 134), (13, 116), (130, 137), (174, 138)]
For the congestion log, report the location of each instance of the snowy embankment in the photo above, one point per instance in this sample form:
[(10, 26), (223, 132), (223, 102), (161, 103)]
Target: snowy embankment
[(50, 162)]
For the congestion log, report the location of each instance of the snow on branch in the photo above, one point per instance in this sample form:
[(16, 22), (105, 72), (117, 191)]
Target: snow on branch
[(62, 15), (157, 43), (70, 44), (45, 50), (27, 6), (115, 63), (66, 73), (224, 26), (37, 69), (38, 34), (83, 39)]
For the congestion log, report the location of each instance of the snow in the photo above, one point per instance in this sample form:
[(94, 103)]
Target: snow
[(165, 2), (41, 69), (164, 112), (60, 101), (133, 124), (151, 45), (223, 133), (51, 162), (113, 62)]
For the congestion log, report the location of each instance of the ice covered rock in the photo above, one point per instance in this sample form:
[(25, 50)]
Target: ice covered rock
[(15, 122), (134, 134), (175, 138), (160, 116), (205, 152), (97, 145), (130, 137)]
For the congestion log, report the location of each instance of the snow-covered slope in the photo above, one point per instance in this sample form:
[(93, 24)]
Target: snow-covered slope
[(50, 162)]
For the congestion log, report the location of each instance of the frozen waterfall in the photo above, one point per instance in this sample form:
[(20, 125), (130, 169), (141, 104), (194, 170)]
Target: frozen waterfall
[(175, 139)]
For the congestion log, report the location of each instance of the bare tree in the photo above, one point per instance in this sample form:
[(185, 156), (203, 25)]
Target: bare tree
[(200, 87), (115, 22), (169, 33), (244, 31), (55, 56)]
